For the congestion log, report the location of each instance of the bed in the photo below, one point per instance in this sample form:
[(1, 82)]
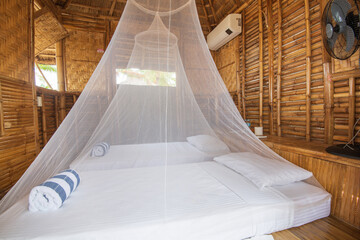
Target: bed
[(203, 200), (144, 155)]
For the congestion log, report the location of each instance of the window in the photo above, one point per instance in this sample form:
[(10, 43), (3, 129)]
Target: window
[(46, 76), (134, 76)]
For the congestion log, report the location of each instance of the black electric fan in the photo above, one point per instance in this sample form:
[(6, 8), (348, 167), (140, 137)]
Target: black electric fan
[(341, 30), (340, 24)]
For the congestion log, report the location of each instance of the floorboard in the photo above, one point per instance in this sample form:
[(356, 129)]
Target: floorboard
[(324, 229)]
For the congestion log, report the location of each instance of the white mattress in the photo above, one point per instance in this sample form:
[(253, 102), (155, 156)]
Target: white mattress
[(143, 155), (203, 201)]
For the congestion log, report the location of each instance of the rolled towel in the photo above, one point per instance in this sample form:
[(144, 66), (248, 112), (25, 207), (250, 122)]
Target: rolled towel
[(51, 194), (100, 149)]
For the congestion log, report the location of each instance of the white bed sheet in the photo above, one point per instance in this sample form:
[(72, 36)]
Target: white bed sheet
[(203, 201), (143, 155)]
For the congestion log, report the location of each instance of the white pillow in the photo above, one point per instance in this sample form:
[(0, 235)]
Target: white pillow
[(263, 171), (208, 144)]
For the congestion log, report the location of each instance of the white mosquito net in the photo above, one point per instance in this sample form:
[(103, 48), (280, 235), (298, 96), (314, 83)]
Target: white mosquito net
[(156, 83)]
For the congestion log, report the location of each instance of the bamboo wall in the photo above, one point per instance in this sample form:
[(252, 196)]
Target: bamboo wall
[(18, 146), (297, 105), (49, 113), (81, 57)]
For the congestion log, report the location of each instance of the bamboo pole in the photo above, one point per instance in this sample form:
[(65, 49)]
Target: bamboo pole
[(206, 15), (2, 127), (243, 66), (56, 111), (271, 64), (237, 66), (261, 63), (61, 77), (328, 91), (43, 119), (351, 107), (213, 12), (31, 62), (278, 96), (308, 70)]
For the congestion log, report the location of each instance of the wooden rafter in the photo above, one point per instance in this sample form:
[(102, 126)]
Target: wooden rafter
[(112, 8), (213, 11), (67, 4), (206, 15), (51, 6)]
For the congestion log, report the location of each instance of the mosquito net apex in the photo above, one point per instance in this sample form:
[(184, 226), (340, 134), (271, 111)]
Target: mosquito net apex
[(156, 83)]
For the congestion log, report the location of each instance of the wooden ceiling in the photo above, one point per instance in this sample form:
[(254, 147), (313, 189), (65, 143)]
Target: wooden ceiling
[(98, 15), (92, 14)]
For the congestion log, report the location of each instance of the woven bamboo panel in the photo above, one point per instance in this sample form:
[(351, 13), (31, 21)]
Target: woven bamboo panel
[(17, 145), (339, 176), (81, 57), (14, 39), (47, 31), (225, 61)]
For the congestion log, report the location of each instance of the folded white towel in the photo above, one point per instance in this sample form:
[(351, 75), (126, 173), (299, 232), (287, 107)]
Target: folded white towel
[(100, 149), (51, 194)]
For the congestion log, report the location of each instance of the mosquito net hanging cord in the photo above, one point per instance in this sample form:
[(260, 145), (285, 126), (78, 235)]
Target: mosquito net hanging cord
[(165, 13)]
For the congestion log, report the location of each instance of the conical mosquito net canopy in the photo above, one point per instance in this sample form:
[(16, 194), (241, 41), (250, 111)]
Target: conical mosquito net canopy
[(156, 84)]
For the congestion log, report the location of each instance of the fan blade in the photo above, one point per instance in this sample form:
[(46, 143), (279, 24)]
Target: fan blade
[(332, 40), (350, 38), (339, 9)]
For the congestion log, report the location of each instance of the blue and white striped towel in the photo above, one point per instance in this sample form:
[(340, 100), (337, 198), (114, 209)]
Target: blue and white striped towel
[(100, 149), (51, 194)]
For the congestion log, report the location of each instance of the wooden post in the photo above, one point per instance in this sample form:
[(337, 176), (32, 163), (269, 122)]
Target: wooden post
[(278, 82), (2, 127), (351, 107), (237, 65), (271, 64), (56, 111), (32, 73), (43, 118), (107, 34), (243, 66), (61, 76), (328, 91), (308, 70), (261, 63)]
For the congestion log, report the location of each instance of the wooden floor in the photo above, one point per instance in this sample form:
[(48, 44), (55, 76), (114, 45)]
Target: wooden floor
[(326, 228)]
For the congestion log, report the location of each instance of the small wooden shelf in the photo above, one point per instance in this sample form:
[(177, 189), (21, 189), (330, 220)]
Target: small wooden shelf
[(312, 149)]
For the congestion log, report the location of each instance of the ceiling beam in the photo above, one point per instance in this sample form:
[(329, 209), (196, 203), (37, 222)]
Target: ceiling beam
[(213, 11), (91, 16), (112, 8), (51, 6), (94, 8), (206, 15), (67, 4), (40, 12)]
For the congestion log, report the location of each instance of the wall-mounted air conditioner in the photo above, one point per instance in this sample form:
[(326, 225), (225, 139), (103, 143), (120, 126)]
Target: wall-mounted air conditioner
[(229, 28)]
